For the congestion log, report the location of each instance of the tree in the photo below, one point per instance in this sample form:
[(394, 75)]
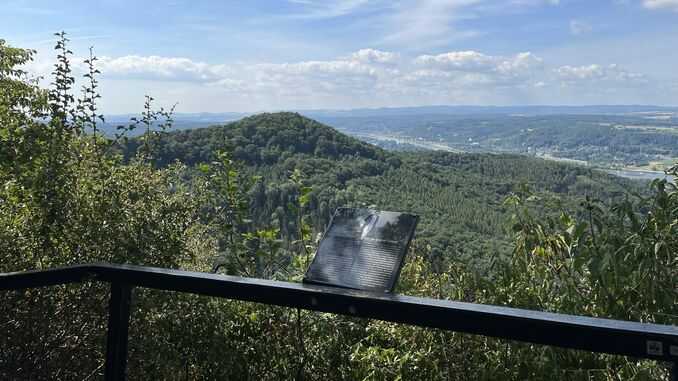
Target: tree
[(66, 199)]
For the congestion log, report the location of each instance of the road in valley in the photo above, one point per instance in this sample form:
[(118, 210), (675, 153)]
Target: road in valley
[(417, 142)]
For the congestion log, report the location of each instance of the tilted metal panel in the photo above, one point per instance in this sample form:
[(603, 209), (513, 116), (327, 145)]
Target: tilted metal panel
[(362, 249)]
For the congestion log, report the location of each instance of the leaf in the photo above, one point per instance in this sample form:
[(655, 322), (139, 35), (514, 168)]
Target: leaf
[(657, 247), (204, 168)]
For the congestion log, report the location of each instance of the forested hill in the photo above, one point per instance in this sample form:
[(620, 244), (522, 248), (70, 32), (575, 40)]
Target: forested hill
[(459, 196), (263, 139)]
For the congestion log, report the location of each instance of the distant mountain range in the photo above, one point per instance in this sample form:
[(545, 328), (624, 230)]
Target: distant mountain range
[(494, 110), (206, 118), (182, 121), (199, 117)]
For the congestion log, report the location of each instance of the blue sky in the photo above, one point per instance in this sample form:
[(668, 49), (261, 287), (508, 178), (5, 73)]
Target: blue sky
[(302, 54)]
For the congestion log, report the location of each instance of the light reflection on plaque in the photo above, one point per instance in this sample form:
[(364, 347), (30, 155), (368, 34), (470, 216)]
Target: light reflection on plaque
[(362, 249)]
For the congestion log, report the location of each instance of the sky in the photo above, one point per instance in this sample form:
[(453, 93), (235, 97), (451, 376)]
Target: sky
[(268, 55)]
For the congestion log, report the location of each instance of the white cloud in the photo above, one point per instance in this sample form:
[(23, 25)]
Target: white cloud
[(468, 77), (375, 56), (369, 78), (362, 72), (578, 27), (597, 73), (231, 85), (472, 61), (160, 68), (427, 23), (321, 68), (324, 9), (521, 63), (661, 4), (533, 3), (417, 24), (463, 60)]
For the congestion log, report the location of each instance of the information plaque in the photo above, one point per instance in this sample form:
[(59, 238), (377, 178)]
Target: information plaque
[(362, 249)]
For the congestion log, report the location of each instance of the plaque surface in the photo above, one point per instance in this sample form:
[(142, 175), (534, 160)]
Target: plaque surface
[(362, 249)]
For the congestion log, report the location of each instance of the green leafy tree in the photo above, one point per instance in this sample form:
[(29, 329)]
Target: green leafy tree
[(66, 199)]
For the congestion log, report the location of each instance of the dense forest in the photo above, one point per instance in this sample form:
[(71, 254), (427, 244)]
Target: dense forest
[(253, 195), (459, 196)]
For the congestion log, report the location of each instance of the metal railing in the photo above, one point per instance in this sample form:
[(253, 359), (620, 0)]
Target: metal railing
[(640, 340)]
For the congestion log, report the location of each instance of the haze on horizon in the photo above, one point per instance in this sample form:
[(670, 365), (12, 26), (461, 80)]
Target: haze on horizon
[(212, 56)]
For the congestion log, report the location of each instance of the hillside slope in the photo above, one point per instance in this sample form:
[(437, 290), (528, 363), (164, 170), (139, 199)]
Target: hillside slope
[(459, 196), (263, 139)]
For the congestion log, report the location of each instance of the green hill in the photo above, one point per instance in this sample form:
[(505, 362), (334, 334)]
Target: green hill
[(459, 196), (264, 139)]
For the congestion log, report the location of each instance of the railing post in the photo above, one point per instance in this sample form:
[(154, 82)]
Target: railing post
[(118, 324), (673, 372)]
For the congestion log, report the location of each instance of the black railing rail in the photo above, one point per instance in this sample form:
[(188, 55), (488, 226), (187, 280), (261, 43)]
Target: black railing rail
[(641, 340)]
